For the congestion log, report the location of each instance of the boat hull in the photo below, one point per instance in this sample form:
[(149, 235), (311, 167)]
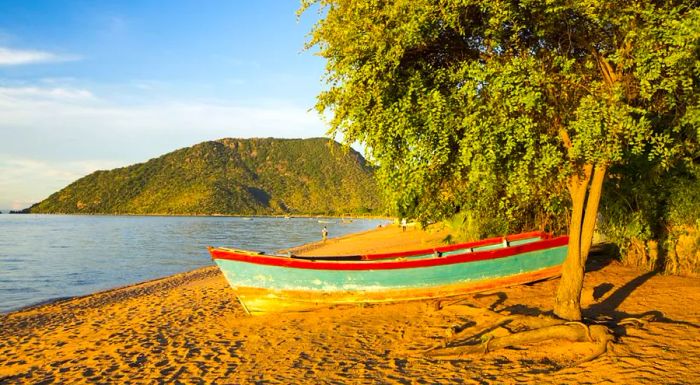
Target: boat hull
[(272, 285), (259, 301)]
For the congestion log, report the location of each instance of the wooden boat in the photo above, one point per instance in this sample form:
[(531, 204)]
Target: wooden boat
[(273, 283)]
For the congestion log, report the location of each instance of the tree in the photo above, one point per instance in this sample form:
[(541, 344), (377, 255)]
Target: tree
[(467, 103)]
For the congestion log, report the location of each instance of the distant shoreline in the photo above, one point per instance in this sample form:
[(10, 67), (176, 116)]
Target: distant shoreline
[(213, 215)]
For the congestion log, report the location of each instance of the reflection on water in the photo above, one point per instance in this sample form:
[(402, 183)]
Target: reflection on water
[(53, 256)]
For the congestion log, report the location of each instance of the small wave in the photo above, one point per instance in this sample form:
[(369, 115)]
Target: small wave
[(12, 290)]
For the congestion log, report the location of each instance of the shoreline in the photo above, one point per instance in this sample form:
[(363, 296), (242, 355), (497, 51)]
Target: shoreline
[(189, 328), (281, 216), (60, 300)]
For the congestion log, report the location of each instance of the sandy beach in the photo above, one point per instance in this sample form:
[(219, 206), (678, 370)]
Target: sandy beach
[(189, 329)]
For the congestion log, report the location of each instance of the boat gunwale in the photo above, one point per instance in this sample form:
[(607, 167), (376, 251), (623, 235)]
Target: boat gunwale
[(448, 248), (399, 263)]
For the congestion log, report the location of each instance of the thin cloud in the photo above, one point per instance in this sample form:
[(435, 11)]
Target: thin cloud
[(14, 57), (26, 181), (39, 93), (66, 109)]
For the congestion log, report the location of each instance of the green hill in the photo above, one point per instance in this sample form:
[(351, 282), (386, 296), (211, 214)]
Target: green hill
[(229, 176)]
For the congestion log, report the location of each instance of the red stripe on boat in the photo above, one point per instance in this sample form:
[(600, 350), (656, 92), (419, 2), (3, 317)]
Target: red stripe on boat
[(385, 265)]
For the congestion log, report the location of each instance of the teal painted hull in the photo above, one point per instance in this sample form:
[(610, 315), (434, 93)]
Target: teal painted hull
[(244, 274)]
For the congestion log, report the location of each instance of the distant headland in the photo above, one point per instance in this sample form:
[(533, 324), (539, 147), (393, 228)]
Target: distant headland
[(259, 176)]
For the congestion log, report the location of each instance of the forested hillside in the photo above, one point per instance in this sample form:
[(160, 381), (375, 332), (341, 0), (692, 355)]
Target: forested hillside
[(229, 176)]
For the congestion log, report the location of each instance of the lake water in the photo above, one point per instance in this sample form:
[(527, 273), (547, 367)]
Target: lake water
[(44, 257)]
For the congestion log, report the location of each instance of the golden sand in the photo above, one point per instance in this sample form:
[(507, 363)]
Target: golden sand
[(189, 328)]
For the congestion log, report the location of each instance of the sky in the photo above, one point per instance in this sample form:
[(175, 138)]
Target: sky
[(94, 85)]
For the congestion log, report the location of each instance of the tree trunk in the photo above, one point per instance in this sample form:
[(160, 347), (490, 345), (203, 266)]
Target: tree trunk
[(591, 213), (568, 300)]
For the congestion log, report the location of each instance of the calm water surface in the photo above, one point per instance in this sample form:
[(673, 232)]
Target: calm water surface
[(44, 257)]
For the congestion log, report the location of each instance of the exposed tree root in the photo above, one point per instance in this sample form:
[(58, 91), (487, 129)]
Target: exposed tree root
[(640, 322), (574, 332), (585, 327), (510, 322), (521, 330), (601, 348)]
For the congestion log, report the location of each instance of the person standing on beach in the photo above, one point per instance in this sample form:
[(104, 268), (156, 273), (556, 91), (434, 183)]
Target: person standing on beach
[(324, 233)]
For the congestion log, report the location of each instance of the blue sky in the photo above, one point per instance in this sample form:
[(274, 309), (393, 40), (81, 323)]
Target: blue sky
[(88, 85)]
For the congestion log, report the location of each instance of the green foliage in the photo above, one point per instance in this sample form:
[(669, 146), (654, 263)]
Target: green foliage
[(654, 216), (468, 226), (230, 176), (684, 198), (493, 105), (683, 221)]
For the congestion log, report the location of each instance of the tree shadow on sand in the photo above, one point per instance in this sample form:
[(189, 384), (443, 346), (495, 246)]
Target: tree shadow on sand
[(601, 255), (519, 309), (607, 310)]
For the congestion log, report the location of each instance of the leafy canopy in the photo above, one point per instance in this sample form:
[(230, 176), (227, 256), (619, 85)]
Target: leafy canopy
[(494, 105)]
